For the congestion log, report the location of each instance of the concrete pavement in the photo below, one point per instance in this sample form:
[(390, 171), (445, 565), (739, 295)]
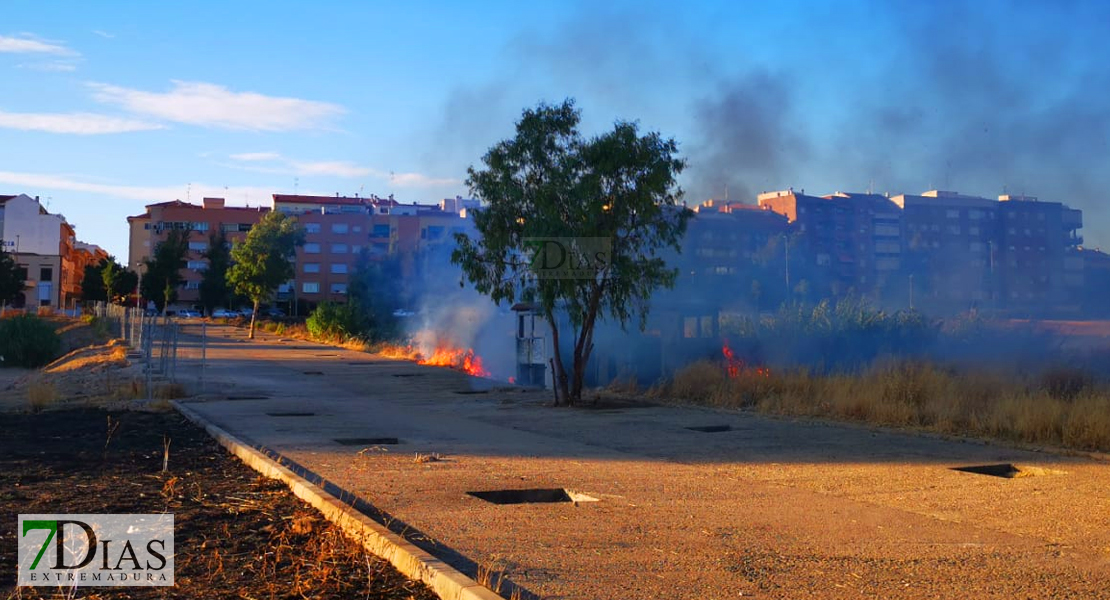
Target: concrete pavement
[(769, 508)]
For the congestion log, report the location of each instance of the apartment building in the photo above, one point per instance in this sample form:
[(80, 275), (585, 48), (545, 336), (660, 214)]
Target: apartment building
[(36, 239), (202, 221), (337, 229), (733, 255), (1039, 263), (850, 242)]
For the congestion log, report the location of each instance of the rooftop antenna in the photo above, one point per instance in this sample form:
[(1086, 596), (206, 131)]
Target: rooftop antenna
[(726, 192), (871, 186), (296, 184), (188, 192)]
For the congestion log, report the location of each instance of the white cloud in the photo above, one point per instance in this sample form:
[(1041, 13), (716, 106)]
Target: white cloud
[(77, 123), (149, 194), (103, 34), (255, 156), (337, 168), (57, 66), (30, 45), (211, 105)]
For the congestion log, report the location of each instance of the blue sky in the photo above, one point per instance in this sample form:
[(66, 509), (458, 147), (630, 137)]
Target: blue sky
[(108, 106)]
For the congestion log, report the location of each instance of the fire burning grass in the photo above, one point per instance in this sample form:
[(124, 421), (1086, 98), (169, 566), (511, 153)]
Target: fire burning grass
[(1058, 407), (442, 354)]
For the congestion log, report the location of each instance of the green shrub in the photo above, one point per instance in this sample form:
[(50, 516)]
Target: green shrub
[(27, 341), (335, 321)]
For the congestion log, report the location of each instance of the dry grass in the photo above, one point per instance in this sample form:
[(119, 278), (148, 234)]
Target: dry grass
[(41, 395), (1059, 406)]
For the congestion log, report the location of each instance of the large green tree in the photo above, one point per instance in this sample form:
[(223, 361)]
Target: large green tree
[(12, 278), (215, 291), (264, 260), (609, 203), (162, 276)]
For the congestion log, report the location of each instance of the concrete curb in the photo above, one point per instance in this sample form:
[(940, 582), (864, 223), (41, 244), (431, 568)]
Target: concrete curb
[(445, 581)]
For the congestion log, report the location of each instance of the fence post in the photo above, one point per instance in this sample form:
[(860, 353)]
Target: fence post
[(203, 352)]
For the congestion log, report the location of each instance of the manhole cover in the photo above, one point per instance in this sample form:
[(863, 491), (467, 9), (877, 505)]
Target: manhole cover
[(328, 355), (248, 397), (408, 374), (711, 428), (473, 392), (373, 441), (313, 372), (1007, 470), (291, 414)]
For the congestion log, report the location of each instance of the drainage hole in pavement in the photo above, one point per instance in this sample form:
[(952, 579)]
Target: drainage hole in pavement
[(374, 441), (1007, 470), (408, 374), (473, 392), (711, 428), (327, 355), (523, 496), (291, 414), (313, 372)]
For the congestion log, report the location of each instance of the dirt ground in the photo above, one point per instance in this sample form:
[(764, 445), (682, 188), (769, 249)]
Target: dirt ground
[(237, 535)]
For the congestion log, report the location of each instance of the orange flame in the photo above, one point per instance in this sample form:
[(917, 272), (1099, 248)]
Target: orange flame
[(735, 366), (460, 359)]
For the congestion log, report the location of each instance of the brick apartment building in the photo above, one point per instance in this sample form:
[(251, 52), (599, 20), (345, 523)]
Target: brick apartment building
[(203, 220), (850, 242), (338, 229)]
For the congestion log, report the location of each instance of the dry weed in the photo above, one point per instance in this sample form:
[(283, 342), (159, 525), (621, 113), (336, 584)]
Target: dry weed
[(41, 394)]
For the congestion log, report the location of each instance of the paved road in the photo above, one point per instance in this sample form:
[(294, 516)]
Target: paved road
[(769, 509)]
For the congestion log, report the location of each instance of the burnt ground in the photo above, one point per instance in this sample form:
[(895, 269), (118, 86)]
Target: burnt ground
[(237, 535)]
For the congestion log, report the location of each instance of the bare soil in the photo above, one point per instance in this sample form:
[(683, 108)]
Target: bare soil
[(238, 535)]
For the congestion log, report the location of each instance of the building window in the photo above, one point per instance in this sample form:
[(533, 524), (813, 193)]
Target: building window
[(312, 228), (380, 230), (200, 226), (339, 248), (358, 229), (952, 214), (312, 248), (355, 249), (192, 285), (312, 267), (46, 274), (435, 232), (197, 265), (198, 246), (229, 227), (339, 268), (339, 228), (339, 288), (310, 287)]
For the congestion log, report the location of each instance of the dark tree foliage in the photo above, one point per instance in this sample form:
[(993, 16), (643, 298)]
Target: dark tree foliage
[(374, 290), (215, 291), (107, 275), (12, 278), (162, 278), (549, 182)]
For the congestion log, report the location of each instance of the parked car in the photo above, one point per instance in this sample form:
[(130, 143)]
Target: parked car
[(274, 312), (188, 314), (223, 313)]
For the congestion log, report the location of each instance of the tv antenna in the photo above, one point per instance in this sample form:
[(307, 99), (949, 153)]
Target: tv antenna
[(296, 184)]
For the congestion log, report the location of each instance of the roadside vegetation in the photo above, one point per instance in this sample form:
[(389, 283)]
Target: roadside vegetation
[(851, 362)]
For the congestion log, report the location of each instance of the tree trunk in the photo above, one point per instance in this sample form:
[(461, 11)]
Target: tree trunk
[(254, 315), (559, 377), (584, 344)]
